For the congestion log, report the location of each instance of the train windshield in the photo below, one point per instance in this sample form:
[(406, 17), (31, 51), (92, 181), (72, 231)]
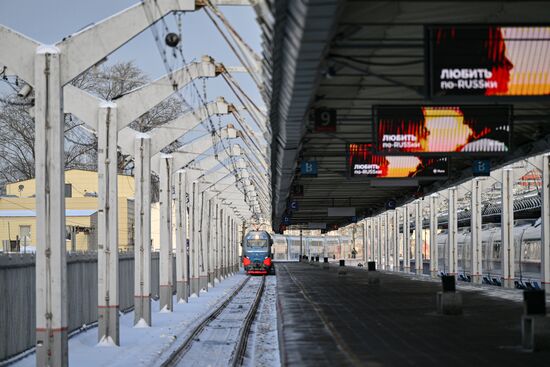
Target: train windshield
[(261, 243)]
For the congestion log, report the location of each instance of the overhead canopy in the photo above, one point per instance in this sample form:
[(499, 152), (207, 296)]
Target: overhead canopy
[(350, 56)]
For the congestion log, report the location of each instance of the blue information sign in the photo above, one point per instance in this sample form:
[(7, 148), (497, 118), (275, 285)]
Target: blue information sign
[(286, 220), (309, 168), (293, 205), (481, 167)]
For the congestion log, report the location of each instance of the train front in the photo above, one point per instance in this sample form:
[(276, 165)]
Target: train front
[(257, 253)]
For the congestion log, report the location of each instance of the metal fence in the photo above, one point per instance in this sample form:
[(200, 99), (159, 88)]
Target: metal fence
[(18, 302)]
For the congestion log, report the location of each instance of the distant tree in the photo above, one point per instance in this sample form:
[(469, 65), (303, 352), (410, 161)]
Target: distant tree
[(108, 82)]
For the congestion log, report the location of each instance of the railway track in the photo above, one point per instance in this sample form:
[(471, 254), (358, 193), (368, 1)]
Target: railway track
[(221, 338)]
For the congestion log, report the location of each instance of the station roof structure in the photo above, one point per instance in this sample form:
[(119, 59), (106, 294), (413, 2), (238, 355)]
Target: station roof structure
[(349, 56)]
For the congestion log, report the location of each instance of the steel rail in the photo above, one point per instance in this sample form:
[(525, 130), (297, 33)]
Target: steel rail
[(238, 354)]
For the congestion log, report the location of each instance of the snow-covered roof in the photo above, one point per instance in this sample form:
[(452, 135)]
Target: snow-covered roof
[(32, 213)]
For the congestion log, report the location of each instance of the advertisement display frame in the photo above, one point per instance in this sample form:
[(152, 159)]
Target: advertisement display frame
[(350, 176), (429, 78), (469, 155)]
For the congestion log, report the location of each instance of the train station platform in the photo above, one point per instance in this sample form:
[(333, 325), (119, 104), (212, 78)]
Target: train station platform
[(327, 319)]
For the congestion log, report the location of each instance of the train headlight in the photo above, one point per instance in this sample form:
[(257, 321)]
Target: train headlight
[(267, 261), (246, 261)]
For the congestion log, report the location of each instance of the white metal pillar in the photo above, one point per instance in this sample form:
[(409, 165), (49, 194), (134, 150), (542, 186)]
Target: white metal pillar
[(212, 241), (51, 265), (107, 246), (387, 239), (203, 238), (380, 264), (365, 244), (371, 235), (406, 240), (165, 256), (182, 282), (475, 227), (507, 227), (418, 261), (452, 229), (193, 241), (545, 224), (396, 240), (434, 255), (221, 241), (142, 228), (217, 270)]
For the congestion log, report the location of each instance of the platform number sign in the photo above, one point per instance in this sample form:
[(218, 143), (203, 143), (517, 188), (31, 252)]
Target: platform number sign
[(308, 168), (293, 205), (324, 120), (481, 167)]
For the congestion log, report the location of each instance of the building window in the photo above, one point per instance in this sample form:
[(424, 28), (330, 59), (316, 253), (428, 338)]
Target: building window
[(68, 190), (25, 234)]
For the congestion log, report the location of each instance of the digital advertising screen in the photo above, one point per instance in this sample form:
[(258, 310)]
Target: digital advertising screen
[(469, 130), (363, 163), (488, 60)]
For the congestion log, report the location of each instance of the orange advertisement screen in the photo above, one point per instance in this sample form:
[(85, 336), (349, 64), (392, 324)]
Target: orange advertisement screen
[(488, 60), (472, 130), (363, 163)]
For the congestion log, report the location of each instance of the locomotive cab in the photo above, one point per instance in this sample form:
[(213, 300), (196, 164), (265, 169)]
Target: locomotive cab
[(257, 258)]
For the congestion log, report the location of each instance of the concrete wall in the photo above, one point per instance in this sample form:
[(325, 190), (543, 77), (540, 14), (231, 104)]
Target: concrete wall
[(17, 290)]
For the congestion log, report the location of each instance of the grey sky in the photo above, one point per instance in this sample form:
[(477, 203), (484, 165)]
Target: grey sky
[(50, 21)]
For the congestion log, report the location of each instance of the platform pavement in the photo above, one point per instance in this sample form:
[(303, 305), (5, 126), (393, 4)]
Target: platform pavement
[(327, 319)]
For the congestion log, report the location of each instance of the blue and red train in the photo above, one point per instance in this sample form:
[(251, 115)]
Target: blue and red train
[(257, 255)]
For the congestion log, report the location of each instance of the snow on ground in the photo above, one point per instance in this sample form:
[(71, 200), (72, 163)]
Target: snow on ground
[(263, 341), (142, 346)]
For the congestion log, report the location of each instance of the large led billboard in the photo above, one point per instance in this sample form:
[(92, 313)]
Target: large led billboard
[(471, 130), (363, 163), (488, 60)]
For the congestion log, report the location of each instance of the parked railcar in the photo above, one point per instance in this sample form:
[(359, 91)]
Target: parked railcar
[(257, 256), (527, 249)]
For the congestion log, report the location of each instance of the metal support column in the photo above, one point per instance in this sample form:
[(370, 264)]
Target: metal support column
[(182, 282), (475, 226), (365, 244), (406, 240), (434, 255), (507, 227), (418, 261), (452, 229), (545, 225), (165, 263), (107, 244), (203, 239), (142, 228), (395, 240), (193, 241), (371, 233), (51, 264), (212, 241), (387, 240), (379, 264)]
